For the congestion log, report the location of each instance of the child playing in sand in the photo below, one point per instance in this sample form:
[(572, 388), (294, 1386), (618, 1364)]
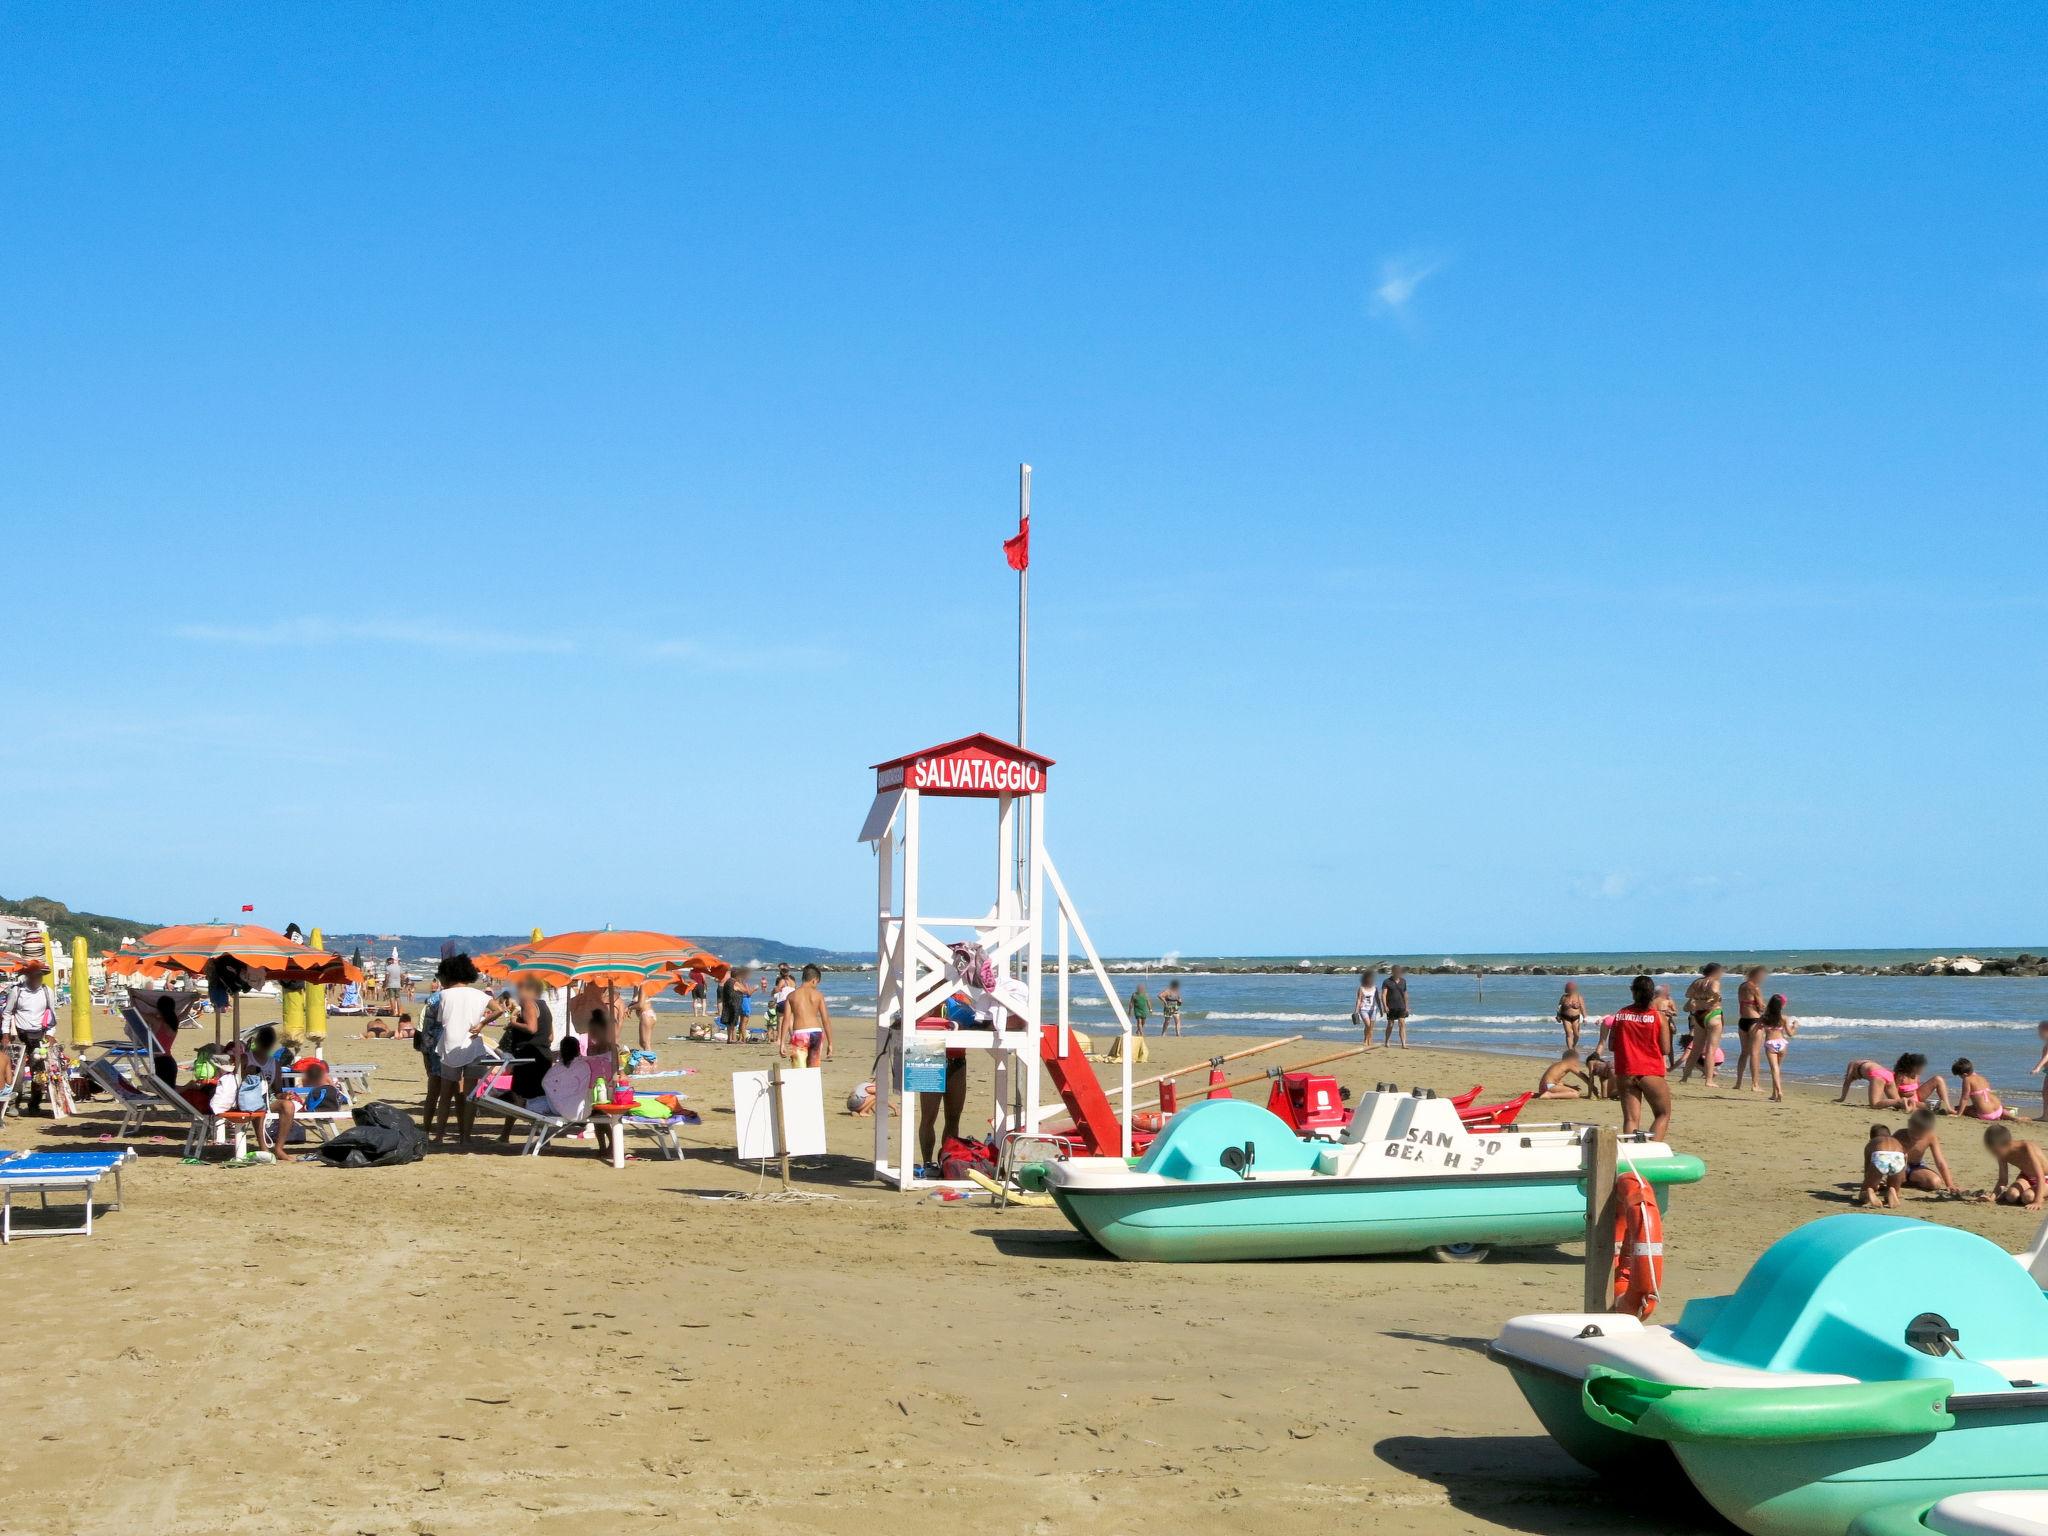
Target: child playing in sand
[(2022, 1170), (1898, 1086), (1565, 1078), (1926, 1168), (1601, 1072), (1973, 1092), (1884, 1168), (1778, 1031)]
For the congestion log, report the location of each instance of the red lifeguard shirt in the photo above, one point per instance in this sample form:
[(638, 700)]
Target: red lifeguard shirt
[(1638, 1046)]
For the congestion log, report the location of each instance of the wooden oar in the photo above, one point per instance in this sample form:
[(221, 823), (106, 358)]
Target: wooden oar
[(1203, 1066)]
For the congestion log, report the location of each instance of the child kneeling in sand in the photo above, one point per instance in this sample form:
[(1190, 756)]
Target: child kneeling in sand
[(1557, 1079), (1884, 1168), (2022, 1170)]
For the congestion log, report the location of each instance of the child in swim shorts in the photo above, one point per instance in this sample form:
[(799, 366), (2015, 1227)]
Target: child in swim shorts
[(1884, 1168)]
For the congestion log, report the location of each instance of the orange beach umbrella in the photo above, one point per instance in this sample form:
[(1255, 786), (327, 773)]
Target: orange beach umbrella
[(498, 964), (620, 958), (188, 948)]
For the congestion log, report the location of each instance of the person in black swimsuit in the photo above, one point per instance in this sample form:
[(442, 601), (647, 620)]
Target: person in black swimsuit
[(1749, 1027), (1397, 1006)]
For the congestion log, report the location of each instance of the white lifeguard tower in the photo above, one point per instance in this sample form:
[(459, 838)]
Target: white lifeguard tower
[(919, 969)]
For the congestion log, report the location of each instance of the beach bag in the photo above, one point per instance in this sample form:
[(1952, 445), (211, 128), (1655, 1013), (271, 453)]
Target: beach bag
[(251, 1092), (960, 1155), (382, 1137)]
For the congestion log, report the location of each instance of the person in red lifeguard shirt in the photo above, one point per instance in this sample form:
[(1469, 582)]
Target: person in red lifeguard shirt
[(1641, 1039)]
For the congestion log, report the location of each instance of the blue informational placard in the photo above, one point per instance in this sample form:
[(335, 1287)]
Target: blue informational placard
[(924, 1063)]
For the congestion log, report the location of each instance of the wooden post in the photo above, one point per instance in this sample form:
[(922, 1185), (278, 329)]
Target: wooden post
[(775, 1119), (1601, 1159)]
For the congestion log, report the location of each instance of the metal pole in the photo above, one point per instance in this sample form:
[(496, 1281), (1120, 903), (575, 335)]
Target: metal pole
[(1023, 595)]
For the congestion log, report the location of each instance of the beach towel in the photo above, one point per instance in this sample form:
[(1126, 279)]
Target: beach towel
[(382, 1137)]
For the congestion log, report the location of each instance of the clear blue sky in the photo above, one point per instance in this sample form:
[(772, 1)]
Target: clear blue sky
[(1508, 478)]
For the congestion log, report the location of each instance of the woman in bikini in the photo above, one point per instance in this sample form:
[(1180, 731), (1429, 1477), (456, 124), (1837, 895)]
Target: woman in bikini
[(1973, 1093), (1703, 1006), (1749, 1029), (1571, 1014), (1775, 1030)]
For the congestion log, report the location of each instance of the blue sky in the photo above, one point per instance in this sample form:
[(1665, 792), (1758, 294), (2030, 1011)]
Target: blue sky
[(1507, 478)]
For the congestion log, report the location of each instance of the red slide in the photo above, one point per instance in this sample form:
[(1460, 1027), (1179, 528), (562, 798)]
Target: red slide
[(1094, 1117)]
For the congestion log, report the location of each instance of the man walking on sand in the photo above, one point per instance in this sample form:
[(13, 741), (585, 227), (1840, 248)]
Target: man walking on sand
[(1395, 1004)]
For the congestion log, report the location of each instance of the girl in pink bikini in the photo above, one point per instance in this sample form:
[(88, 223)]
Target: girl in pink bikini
[(1973, 1093), (1899, 1086)]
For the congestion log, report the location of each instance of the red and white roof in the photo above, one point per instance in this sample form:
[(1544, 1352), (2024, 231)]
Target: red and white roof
[(980, 764)]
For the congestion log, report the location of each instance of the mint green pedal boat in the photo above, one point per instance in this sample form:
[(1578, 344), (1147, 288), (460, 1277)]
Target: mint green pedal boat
[(1230, 1180), (1866, 1368), (2013, 1513)]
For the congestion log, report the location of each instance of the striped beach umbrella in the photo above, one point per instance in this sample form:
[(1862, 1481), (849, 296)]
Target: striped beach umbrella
[(610, 957), (498, 964)]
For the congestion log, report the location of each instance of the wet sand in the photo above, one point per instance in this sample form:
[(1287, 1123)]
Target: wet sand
[(485, 1343)]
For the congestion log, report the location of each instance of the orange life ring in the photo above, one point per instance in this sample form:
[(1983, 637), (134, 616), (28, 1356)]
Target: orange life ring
[(1638, 1246), (1148, 1120)]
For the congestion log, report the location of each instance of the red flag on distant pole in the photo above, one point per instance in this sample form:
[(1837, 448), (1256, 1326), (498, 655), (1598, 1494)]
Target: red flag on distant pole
[(1018, 550), (248, 906)]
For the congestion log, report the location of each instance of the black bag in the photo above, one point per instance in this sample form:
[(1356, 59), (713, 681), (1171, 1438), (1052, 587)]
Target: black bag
[(382, 1137)]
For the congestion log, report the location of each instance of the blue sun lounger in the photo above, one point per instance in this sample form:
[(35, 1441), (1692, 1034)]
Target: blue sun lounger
[(42, 1173)]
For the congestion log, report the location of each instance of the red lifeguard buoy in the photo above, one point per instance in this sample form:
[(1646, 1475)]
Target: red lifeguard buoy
[(1148, 1120), (1638, 1246)]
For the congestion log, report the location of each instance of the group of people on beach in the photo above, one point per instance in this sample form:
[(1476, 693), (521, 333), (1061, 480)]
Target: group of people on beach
[(1639, 1046), (1896, 1158), (1910, 1157), (555, 1065)]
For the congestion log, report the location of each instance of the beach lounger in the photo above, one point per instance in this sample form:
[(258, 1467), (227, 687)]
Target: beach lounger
[(45, 1173), (354, 1077), (136, 1103), (663, 1132), (201, 1125), (540, 1129)]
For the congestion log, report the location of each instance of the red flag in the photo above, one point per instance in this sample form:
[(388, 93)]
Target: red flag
[(1018, 550), (248, 906)]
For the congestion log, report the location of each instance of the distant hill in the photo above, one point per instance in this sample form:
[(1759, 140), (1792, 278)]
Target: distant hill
[(102, 932), (415, 948), (99, 931)]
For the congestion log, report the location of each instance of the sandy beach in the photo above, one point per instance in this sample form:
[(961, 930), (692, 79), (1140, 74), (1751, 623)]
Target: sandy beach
[(488, 1343)]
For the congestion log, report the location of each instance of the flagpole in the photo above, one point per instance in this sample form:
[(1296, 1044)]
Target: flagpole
[(1023, 595)]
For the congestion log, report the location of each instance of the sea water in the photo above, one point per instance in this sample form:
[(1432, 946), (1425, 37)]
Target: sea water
[(1990, 1019)]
